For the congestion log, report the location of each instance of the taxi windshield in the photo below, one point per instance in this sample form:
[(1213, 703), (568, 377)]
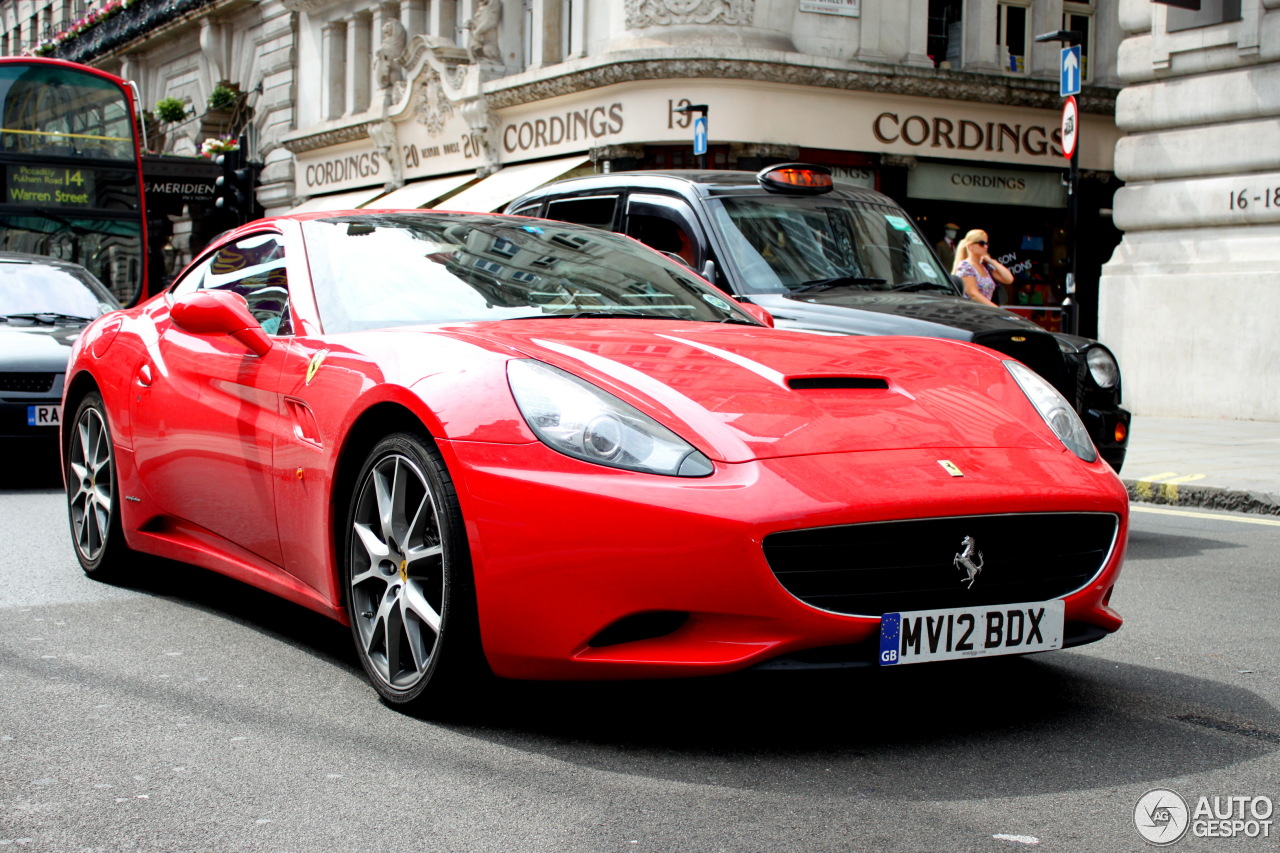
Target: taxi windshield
[(789, 244)]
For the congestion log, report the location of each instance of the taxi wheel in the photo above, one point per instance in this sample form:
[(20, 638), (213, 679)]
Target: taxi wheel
[(93, 494), (407, 579)]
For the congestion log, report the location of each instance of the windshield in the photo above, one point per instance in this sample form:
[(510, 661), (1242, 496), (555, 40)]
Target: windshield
[(109, 248), (374, 271), (788, 244), (53, 110), (32, 288)]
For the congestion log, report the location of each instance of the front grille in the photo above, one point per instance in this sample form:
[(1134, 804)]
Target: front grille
[(898, 566), (1038, 351), (32, 383)]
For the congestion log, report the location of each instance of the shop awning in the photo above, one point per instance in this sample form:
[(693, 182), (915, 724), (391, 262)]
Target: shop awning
[(339, 201), (506, 184), (420, 193)]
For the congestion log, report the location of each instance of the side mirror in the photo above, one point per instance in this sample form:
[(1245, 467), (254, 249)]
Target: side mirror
[(709, 271), (220, 312), (757, 312)]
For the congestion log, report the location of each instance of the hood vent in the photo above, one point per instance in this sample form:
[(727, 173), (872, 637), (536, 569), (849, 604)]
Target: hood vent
[(814, 383)]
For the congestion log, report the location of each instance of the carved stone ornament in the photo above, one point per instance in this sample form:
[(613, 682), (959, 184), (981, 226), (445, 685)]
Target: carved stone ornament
[(648, 13), (482, 46), (433, 108), (389, 61), (307, 5)]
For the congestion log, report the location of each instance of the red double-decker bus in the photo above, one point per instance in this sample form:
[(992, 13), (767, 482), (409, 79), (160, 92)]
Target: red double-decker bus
[(71, 166)]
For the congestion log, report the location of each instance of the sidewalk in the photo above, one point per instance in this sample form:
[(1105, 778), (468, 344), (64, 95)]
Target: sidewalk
[(1205, 462)]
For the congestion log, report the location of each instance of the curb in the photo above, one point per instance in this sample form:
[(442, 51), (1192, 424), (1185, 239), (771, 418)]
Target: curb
[(1203, 497)]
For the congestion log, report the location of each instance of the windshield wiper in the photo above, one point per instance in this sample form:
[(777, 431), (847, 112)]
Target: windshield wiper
[(48, 317), (919, 285), (837, 281), (578, 315)]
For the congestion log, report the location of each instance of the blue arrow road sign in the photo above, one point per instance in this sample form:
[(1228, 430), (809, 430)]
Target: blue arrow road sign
[(700, 135), (1070, 71)]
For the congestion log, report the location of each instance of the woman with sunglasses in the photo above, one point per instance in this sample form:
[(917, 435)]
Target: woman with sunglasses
[(979, 271)]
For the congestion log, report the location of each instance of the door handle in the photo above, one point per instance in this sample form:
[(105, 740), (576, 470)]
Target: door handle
[(144, 375)]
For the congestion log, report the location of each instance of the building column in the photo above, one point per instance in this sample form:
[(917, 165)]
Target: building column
[(981, 53), (413, 14), (1046, 17), (333, 52), (546, 45), (359, 61), (442, 19)]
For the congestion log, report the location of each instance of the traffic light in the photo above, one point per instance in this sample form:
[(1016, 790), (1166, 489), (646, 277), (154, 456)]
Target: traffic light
[(233, 189)]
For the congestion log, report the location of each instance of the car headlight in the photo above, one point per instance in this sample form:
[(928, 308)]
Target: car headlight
[(1103, 367), (578, 419), (1055, 410)]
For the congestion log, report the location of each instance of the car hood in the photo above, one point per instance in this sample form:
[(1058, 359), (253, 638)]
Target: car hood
[(752, 393), (869, 313), (36, 348)]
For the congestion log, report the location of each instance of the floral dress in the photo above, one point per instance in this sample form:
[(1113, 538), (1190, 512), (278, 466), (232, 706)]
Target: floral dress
[(986, 284)]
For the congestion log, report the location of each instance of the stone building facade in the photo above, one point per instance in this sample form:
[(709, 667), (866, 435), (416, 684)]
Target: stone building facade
[(949, 106), (1186, 300)]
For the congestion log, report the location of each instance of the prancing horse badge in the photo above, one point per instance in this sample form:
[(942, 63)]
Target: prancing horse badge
[(314, 364)]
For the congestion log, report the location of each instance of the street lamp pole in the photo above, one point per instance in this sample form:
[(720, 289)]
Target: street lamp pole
[(1070, 306)]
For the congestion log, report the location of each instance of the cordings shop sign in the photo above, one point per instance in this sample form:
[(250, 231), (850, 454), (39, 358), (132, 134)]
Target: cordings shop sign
[(919, 131), (574, 126), (986, 186), (360, 166)]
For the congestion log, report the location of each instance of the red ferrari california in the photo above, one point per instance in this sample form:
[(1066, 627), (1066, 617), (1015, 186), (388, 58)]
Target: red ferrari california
[(497, 445)]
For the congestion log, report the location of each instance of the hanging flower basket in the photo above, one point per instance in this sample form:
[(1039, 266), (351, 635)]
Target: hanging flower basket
[(211, 148)]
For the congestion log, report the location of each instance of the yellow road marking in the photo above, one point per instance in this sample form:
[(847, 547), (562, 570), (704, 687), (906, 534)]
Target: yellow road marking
[(1184, 513)]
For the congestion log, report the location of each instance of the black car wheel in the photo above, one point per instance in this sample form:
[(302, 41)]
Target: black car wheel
[(407, 578), (92, 493)]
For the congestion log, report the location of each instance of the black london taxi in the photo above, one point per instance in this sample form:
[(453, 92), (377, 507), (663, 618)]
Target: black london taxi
[(829, 258)]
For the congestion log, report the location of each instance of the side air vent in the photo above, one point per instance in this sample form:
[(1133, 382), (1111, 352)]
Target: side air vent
[(812, 383)]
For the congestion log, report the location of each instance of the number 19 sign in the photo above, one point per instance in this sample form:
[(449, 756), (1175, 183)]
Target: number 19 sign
[(1070, 127)]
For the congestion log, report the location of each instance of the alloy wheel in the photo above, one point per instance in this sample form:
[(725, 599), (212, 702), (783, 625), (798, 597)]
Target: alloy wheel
[(92, 498), (397, 572)]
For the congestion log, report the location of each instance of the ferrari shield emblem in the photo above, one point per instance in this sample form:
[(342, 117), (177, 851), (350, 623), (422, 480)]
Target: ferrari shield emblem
[(314, 365), (951, 468)]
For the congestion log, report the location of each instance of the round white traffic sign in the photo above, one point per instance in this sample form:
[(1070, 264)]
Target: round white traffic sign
[(1070, 127)]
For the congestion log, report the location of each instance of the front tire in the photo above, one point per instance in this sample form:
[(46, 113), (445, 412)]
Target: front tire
[(407, 579), (93, 494)]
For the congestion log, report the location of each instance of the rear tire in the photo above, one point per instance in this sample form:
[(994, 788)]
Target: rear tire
[(93, 494), (407, 581)]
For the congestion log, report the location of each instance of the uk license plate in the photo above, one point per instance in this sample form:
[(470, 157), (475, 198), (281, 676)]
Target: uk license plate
[(44, 416), (922, 636)]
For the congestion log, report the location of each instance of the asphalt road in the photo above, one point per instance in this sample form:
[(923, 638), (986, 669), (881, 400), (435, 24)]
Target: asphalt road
[(191, 713)]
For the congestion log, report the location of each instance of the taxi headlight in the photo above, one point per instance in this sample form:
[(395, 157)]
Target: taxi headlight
[(578, 419), (1055, 410), (1103, 367)]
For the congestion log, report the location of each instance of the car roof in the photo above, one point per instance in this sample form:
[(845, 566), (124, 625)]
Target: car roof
[(693, 182)]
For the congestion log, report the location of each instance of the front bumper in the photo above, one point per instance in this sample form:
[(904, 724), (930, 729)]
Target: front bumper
[(564, 550), (1109, 429)]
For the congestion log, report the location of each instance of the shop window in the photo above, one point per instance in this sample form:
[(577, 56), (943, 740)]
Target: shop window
[(1211, 12), (945, 33), (1079, 18), (1013, 35)]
